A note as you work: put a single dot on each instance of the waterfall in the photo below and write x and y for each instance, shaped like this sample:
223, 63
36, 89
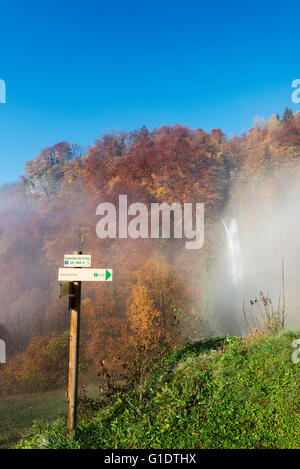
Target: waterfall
229, 284
234, 251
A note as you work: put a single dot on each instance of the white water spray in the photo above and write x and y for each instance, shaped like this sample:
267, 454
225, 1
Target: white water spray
234, 251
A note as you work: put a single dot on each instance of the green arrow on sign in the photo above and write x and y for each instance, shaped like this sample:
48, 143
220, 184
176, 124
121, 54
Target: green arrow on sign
107, 275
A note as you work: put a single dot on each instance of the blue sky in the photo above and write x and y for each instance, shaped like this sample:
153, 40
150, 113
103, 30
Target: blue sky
75, 69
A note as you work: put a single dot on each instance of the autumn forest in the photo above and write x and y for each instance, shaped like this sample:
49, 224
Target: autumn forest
162, 295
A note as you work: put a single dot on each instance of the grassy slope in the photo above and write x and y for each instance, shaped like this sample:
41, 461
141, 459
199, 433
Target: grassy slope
247, 395
17, 413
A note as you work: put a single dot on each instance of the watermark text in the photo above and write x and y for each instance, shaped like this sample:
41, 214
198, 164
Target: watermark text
188, 221
296, 353
2, 92
2, 351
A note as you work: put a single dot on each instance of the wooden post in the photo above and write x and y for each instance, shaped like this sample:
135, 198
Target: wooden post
74, 303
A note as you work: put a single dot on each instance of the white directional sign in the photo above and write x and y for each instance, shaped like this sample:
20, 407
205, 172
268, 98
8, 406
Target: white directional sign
77, 260
85, 275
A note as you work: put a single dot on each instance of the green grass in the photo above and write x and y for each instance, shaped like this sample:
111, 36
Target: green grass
17, 413
245, 395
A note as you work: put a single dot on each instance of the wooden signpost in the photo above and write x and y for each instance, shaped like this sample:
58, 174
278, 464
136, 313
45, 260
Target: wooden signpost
74, 275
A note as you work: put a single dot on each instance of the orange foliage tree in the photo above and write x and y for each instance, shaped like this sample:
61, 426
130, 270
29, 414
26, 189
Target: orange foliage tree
158, 303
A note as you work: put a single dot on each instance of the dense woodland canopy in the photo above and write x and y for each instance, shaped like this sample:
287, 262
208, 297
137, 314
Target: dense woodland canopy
160, 289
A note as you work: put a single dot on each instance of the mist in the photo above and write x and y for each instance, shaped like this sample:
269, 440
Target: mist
262, 220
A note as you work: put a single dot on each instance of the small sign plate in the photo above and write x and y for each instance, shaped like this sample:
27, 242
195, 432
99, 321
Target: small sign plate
85, 275
77, 260
66, 289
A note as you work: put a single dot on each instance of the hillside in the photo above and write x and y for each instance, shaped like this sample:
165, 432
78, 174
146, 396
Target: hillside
52, 211
215, 393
